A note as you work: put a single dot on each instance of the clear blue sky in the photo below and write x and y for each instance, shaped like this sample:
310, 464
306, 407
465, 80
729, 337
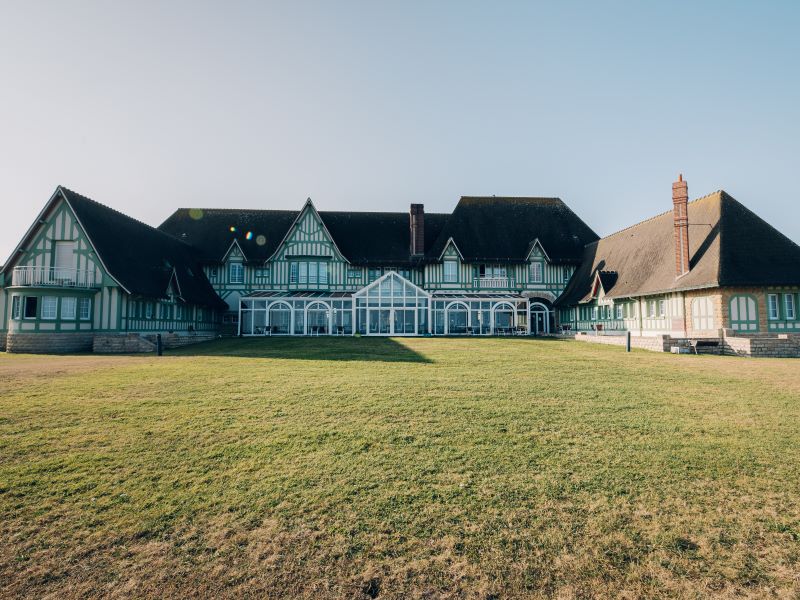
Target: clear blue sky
149, 106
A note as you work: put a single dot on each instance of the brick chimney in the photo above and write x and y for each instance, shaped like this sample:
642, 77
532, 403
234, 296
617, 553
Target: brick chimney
680, 219
417, 222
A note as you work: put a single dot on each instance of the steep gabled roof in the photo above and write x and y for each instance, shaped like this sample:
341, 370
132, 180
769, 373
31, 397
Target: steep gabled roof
503, 229
211, 231
364, 238
729, 245
140, 258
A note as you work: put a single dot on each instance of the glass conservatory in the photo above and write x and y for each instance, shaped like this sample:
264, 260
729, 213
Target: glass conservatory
311, 313
391, 305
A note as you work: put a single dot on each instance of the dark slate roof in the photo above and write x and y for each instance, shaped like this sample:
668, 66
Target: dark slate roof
364, 238
211, 231
142, 259
503, 229
729, 245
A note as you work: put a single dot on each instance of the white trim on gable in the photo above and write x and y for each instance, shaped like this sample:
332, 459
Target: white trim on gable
450, 240
235, 242
363, 290
534, 244
308, 205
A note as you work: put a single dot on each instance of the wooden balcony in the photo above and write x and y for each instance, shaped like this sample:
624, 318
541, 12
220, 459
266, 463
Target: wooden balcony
52, 277
493, 283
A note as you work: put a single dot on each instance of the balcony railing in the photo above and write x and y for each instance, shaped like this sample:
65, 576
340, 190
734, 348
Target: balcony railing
52, 277
493, 283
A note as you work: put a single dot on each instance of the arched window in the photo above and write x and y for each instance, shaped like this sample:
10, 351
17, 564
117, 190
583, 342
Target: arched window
504, 321
317, 314
457, 318
280, 318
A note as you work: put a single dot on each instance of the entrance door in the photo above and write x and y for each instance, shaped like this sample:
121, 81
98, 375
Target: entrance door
403, 321
539, 323
380, 321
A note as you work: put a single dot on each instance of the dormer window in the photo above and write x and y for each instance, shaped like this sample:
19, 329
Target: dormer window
536, 272
450, 271
236, 273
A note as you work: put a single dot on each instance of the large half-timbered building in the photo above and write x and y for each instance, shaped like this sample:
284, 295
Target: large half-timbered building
86, 276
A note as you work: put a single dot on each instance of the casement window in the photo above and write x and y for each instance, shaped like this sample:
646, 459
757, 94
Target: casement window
353, 273
16, 307
491, 271
323, 273
49, 307
69, 308
619, 311
702, 314
236, 273
565, 274
651, 308
594, 313
374, 274
303, 278
788, 305
773, 308
293, 272
662, 308
536, 272
148, 311
312, 272
450, 271
85, 309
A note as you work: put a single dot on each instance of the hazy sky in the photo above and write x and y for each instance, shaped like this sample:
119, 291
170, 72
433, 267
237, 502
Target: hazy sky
373, 105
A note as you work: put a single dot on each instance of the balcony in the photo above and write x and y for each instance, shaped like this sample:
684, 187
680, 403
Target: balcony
493, 283
52, 277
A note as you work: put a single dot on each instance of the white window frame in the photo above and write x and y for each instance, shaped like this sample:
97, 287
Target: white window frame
773, 302
323, 273
16, 307
293, 272
537, 272
313, 272
450, 271
662, 308
302, 272
353, 273
565, 274
25, 307
66, 304
238, 269
594, 313
789, 307
148, 310
49, 308
87, 314
620, 313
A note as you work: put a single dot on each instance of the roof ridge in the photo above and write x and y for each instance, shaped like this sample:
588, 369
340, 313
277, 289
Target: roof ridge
661, 214
114, 210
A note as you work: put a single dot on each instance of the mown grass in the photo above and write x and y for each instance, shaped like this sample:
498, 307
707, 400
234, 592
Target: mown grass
439, 468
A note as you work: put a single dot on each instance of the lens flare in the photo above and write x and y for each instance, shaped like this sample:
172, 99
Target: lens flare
248, 235
261, 240
233, 229
196, 213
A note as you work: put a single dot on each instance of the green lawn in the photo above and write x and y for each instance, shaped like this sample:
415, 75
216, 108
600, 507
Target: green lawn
395, 468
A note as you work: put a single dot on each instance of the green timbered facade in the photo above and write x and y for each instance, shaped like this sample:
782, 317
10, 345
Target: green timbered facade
494, 266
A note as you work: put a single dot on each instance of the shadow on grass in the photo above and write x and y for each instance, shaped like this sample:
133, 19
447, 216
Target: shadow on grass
378, 349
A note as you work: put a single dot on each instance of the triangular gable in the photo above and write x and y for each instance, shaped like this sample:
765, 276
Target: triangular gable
451, 242
363, 291
174, 286
295, 236
537, 245
233, 248
57, 195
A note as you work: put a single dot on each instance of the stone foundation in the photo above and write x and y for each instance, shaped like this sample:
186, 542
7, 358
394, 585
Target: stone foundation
176, 340
121, 343
48, 343
2, 342
755, 345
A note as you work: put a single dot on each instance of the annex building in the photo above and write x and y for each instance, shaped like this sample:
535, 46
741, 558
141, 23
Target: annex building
85, 276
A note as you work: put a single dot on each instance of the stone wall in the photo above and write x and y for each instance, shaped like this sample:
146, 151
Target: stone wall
2, 342
121, 343
655, 343
175, 340
48, 343
763, 345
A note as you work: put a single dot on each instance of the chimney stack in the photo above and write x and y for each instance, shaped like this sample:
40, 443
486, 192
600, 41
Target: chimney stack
417, 221
680, 219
